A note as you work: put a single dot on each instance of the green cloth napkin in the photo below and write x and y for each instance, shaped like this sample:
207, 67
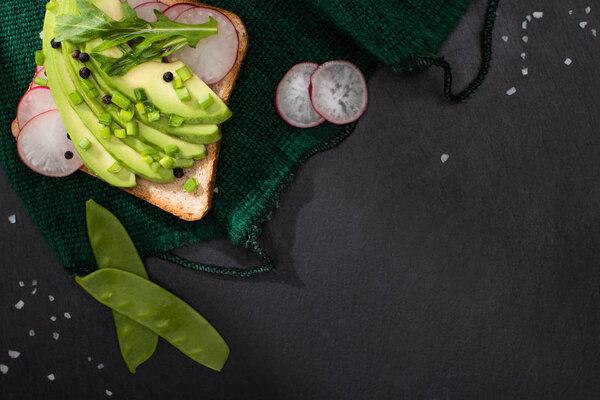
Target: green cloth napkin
259, 153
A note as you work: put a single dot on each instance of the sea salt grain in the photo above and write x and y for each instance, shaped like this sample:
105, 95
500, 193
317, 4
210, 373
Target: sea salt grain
523, 55
525, 39
21, 284
525, 71
216, 190
594, 32
570, 12
34, 282
538, 14
444, 158
53, 318
511, 91
528, 18
34, 291
67, 315
89, 359
31, 332
100, 366
524, 25
108, 392
42, 35
51, 377
50, 297
588, 9
583, 24
12, 219
14, 354
3, 369
55, 335
568, 61
19, 304
505, 38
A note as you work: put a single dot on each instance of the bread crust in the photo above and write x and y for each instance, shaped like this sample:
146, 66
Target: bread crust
171, 196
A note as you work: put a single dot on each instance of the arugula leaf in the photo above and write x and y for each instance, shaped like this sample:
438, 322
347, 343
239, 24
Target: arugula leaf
157, 38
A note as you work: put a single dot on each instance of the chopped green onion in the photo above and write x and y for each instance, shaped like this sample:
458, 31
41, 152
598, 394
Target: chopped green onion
115, 168
205, 101
85, 143
140, 95
183, 94
177, 83
120, 133
148, 159
149, 152
171, 149
40, 81
155, 166
105, 119
87, 84
126, 115
51, 5
140, 108
149, 107
39, 57
190, 185
176, 120
93, 93
132, 128
184, 73
153, 116
76, 98
105, 132
119, 99
166, 162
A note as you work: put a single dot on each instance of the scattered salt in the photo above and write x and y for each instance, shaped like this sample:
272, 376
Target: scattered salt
12, 219
570, 12
568, 61
67, 315
21, 284
51, 377
511, 91
100, 366
523, 55
588, 9
53, 318
505, 38
444, 158
594, 32
216, 190
525, 39
3, 369
108, 392
34, 291
42, 35
538, 14
524, 25
34, 282
583, 24
31, 332
528, 18
55, 335
525, 71
50, 297
14, 354
19, 304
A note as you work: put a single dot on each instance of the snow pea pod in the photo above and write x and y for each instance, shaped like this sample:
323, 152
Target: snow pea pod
160, 311
112, 247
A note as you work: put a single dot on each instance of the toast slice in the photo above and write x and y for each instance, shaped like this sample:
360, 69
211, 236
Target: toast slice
171, 196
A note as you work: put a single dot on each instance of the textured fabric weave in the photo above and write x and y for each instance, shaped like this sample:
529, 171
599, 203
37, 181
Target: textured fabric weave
259, 152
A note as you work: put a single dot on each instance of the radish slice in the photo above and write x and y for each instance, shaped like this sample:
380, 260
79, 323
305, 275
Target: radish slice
146, 11
292, 99
176, 10
135, 3
338, 91
38, 68
34, 102
215, 55
42, 74
44, 147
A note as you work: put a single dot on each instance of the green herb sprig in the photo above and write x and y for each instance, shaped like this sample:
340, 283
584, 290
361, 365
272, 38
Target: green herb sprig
139, 40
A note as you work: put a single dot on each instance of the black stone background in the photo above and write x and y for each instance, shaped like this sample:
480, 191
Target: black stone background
400, 277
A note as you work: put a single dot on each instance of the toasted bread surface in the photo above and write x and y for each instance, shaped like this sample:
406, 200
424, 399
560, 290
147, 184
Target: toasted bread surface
171, 196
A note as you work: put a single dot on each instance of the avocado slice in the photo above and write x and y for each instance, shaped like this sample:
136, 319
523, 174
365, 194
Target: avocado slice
96, 158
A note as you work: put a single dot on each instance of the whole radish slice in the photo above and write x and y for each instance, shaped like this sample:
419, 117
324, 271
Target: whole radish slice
34, 102
215, 55
44, 147
292, 99
176, 10
338, 91
145, 11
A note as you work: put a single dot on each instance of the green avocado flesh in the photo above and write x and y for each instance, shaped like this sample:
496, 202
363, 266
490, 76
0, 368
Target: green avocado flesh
118, 144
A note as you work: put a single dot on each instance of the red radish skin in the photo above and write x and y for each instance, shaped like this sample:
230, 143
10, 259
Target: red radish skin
214, 56
34, 102
176, 10
42, 144
145, 11
292, 97
339, 92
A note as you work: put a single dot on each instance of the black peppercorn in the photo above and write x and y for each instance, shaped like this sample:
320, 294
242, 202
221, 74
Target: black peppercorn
178, 172
68, 155
84, 57
168, 76
75, 54
54, 44
106, 99
85, 72
68, 136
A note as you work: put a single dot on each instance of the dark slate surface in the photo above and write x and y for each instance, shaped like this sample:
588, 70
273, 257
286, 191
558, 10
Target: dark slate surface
400, 276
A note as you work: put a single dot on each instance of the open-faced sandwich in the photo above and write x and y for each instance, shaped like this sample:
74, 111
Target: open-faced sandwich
135, 94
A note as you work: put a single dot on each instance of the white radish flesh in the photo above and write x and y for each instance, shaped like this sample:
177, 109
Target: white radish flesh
135, 3
292, 99
146, 11
214, 56
34, 102
44, 147
339, 92
176, 10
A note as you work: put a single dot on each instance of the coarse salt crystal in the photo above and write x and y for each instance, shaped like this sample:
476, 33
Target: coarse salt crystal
12, 219
525, 39
100, 366
34, 291
89, 359
51, 377
216, 190
21, 284
14, 354
568, 61
53, 318
19, 304
444, 158
511, 91
55, 335
523, 55
505, 38
34, 282
31, 332
42, 35
108, 392
583, 24
594, 32
528, 18
524, 25
3, 369
570, 12
67, 315
525, 71
50, 297
538, 14
588, 9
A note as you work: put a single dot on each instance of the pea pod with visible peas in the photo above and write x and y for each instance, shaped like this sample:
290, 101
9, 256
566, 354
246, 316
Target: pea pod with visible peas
112, 247
160, 311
